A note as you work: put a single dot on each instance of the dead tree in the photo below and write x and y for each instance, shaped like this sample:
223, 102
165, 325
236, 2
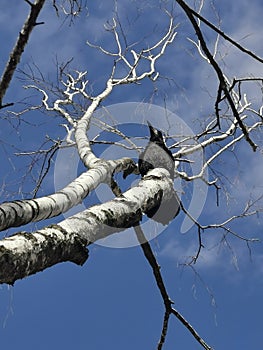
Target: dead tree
235, 118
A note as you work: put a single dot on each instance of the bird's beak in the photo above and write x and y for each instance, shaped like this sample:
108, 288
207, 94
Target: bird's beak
153, 131
149, 124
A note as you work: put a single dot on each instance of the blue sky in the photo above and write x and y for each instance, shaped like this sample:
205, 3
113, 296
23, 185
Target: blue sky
112, 301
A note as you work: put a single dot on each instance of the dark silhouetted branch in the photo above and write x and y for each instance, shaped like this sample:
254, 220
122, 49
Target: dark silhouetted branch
19, 47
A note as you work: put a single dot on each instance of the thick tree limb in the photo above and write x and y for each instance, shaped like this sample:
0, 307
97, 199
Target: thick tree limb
25, 253
21, 212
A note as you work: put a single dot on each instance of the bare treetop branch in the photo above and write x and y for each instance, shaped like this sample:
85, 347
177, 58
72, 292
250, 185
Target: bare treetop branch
223, 85
19, 47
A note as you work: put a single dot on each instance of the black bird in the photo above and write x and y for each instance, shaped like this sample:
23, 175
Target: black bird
157, 155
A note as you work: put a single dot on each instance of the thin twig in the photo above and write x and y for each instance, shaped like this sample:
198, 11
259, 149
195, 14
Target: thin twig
191, 329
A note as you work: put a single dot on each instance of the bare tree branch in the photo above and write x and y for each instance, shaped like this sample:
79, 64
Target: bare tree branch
225, 36
19, 48
89, 225
147, 250
18, 213
223, 86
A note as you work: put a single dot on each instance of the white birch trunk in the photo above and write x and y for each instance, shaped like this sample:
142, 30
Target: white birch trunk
26, 253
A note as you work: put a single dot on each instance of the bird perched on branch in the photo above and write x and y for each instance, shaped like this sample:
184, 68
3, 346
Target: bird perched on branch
157, 155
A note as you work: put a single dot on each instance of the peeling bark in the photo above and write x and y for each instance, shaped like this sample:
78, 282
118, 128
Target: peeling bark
26, 253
